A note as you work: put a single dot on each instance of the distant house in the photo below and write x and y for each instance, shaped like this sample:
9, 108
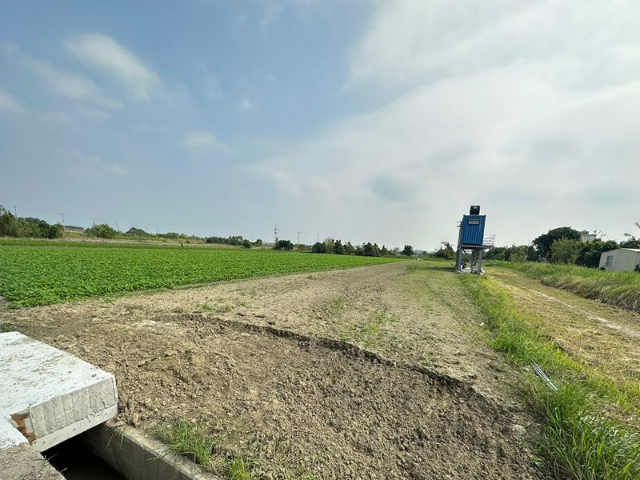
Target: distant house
620, 260
585, 236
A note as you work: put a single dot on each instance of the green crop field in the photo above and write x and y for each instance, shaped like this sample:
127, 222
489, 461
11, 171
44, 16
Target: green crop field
42, 275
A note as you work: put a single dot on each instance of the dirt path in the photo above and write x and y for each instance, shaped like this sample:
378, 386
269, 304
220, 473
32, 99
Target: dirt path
606, 337
269, 365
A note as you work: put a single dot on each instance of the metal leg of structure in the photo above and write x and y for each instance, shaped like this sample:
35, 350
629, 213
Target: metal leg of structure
480, 271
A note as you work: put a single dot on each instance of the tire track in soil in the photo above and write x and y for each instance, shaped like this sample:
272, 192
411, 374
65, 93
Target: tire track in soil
295, 403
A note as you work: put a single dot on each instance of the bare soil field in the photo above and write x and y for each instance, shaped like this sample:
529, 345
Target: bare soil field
374, 372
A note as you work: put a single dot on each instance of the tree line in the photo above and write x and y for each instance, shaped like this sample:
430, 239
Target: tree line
367, 249
12, 226
562, 245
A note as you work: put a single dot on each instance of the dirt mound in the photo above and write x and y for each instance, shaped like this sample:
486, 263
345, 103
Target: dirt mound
297, 405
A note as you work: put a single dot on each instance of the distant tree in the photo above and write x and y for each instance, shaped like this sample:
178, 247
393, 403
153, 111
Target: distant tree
565, 250
102, 230
283, 245
246, 243
55, 231
358, 251
518, 253
348, 249
590, 252
543, 243
633, 241
384, 252
514, 253
369, 250
319, 247
8, 223
329, 242
258, 242
446, 251
532, 254
338, 248
137, 232
407, 250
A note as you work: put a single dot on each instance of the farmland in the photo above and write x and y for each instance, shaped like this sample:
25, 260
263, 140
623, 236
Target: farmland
403, 368
43, 275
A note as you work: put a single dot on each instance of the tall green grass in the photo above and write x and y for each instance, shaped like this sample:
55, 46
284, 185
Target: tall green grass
191, 440
582, 438
621, 289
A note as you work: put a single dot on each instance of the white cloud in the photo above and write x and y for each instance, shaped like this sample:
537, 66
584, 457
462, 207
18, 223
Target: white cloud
97, 164
246, 104
413, 42
10, 104
203, 140
68, 84
105, 54
496, 107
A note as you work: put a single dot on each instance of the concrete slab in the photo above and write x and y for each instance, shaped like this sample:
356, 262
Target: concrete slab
48, 396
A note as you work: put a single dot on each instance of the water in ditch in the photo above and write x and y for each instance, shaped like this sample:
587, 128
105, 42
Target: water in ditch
75, 462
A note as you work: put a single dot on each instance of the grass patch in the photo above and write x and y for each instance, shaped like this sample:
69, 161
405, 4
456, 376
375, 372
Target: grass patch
590, 423
5, 327
372, 331
621, 289
192, 440
240, 469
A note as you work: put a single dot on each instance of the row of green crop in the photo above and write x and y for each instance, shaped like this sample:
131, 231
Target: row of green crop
621, 289
44, 275
582, 436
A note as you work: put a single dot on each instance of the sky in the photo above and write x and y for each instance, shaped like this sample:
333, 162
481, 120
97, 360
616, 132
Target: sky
364, 120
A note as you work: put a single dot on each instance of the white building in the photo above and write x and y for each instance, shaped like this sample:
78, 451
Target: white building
585, 236
620, 260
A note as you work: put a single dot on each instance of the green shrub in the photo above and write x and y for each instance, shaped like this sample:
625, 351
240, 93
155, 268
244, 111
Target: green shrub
102, 230
565, 251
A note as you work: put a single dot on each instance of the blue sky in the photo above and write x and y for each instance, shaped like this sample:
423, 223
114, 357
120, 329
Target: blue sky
360, 120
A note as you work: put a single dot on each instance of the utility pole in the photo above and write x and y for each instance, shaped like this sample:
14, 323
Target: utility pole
15, 211
62, 215
275, 235
298, 238
317, 237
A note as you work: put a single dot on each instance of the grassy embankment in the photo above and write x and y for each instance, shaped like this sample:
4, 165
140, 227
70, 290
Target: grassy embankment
591, 422
621, 289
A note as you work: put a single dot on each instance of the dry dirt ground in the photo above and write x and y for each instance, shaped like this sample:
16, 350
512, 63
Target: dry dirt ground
374, 372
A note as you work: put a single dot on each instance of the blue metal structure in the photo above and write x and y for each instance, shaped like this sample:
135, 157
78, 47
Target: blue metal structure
471, 237
472, 230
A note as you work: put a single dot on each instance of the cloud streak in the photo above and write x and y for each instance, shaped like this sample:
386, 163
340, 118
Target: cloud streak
104, 54
10, 104
203, 140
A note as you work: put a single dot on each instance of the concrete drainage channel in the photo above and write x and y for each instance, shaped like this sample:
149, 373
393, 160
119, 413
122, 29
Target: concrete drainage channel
132, 455
53, 404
